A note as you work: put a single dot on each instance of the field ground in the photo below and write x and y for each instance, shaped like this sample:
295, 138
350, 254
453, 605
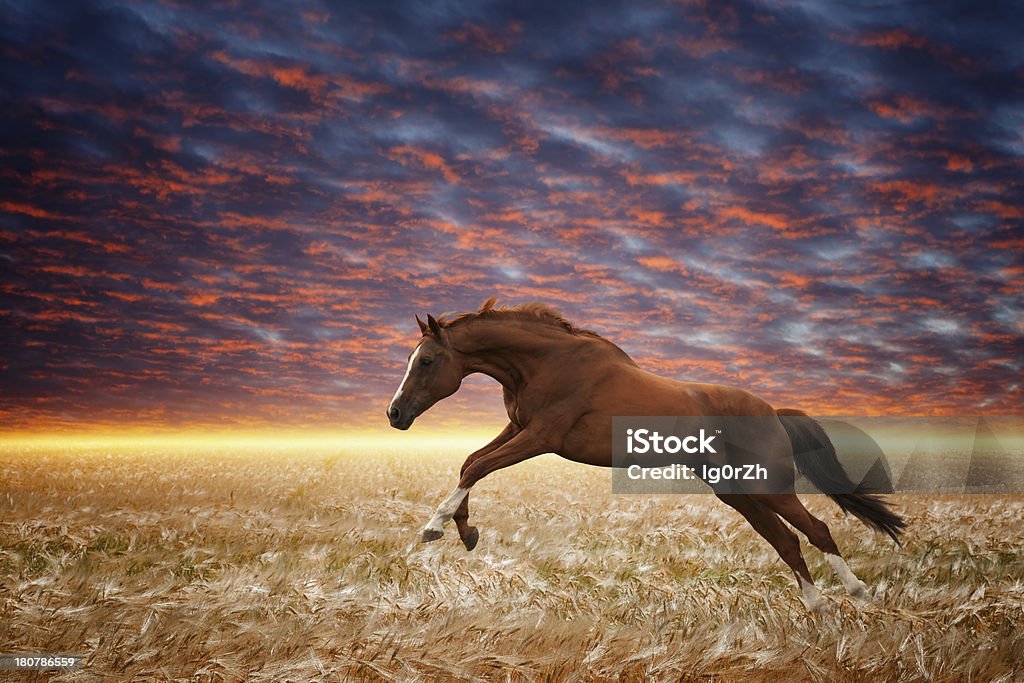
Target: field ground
305, 566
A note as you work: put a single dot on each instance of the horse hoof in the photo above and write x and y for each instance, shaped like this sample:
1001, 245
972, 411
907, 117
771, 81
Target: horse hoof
471, 538
429, 535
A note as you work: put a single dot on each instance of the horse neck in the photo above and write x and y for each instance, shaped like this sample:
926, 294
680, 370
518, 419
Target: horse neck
510, 351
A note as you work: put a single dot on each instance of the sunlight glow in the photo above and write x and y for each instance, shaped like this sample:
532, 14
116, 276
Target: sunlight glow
277, 440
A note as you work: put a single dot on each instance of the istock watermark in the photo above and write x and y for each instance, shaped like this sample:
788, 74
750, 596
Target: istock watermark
643, 441
646, 440
774, 454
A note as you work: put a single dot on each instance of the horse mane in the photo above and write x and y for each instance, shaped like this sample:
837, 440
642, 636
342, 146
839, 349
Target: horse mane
535, 311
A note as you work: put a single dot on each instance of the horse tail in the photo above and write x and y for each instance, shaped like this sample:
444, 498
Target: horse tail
815, 458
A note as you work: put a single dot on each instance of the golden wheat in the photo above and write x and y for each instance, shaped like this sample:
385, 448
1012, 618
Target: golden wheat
292, 565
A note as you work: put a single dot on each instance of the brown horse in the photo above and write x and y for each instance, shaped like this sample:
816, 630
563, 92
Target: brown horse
562, 386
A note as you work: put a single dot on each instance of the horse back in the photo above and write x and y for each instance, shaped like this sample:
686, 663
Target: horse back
631, 391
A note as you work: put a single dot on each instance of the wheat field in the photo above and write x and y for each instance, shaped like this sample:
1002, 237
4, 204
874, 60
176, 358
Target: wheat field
303, 565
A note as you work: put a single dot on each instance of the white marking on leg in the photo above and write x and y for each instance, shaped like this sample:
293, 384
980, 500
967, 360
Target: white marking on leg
853, 585
408, 369
446, 510
811, 596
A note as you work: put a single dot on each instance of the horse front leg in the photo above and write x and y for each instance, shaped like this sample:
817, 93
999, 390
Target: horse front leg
445, 511
470, 534
518, 447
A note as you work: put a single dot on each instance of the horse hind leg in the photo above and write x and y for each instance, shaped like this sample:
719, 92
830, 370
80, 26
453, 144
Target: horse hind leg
790, 508
785, 542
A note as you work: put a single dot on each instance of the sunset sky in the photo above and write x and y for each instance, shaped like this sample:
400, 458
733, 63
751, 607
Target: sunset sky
223, 218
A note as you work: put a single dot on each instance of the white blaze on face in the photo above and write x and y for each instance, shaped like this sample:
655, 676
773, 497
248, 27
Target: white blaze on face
413, 359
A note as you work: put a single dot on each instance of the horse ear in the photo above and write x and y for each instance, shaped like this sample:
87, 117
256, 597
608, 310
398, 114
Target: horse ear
435, 328
423, 325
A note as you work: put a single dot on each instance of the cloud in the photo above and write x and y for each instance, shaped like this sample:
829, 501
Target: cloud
223, 216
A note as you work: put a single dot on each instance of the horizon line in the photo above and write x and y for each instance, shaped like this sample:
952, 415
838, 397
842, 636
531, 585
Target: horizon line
268, 438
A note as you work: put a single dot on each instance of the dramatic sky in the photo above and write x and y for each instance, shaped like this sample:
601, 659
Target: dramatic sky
228, 215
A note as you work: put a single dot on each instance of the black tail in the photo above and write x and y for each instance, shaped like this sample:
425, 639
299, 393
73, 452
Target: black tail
815, 458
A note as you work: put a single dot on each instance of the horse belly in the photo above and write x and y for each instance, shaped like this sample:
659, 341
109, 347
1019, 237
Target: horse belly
632, 392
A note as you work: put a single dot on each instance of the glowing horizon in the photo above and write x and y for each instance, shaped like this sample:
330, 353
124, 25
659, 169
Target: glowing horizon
268, 439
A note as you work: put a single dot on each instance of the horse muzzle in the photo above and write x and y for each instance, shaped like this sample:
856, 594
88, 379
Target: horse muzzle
400, 419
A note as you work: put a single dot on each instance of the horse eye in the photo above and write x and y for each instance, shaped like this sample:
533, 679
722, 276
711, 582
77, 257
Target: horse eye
426, 361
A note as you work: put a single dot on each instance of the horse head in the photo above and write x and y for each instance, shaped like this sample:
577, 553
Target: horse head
433, 373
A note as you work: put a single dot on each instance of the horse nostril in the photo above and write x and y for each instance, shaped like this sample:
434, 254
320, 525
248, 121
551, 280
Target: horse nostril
393, 413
